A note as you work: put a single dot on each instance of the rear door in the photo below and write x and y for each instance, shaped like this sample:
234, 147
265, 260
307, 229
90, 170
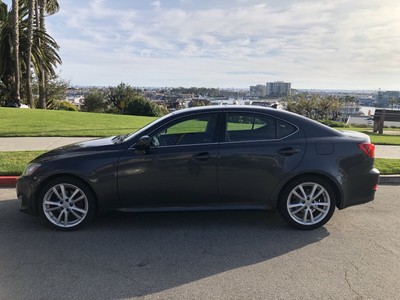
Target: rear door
255, 154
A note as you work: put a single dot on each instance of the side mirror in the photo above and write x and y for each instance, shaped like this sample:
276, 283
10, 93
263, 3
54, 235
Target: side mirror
143, 143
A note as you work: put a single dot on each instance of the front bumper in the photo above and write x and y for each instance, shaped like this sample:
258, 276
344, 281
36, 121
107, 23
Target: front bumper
25, 192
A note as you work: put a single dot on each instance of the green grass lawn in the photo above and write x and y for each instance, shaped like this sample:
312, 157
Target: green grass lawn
379, 139
384, 139
35, 122
29, 122
14, 163
388, 166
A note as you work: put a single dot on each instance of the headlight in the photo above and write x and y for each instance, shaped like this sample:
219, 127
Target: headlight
30, 169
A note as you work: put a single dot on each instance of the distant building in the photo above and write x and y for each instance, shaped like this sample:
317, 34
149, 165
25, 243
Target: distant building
384, 97
77, 101
278, 89
258, 90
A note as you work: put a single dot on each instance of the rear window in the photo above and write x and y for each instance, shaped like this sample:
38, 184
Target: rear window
284, 129
253, 127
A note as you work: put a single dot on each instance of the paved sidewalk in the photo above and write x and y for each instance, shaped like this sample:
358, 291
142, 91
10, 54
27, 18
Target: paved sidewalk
48, 143
37, 143
383, 151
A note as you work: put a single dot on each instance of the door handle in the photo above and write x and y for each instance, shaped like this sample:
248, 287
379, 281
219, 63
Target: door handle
288, 151
203, 156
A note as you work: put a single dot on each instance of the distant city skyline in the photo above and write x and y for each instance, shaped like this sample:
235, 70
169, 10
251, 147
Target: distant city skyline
337, 44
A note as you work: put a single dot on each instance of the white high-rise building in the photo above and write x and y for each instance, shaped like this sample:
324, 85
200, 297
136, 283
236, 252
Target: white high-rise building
278, 89
258, 90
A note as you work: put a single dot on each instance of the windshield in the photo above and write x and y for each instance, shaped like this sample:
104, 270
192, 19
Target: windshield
139, 132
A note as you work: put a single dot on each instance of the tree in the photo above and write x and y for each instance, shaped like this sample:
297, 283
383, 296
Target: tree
64, 105
348, 103
43, 7
139, 106
56, 90
393, 101
315, 107
118, 97
95, 101
199, 102
125, 99
15, 50
31, 16
302, 104
42, 56
6, 56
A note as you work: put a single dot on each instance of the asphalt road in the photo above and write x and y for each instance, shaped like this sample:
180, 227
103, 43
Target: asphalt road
204, 255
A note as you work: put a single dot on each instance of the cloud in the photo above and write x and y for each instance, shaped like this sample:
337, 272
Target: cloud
305, 41
156, 4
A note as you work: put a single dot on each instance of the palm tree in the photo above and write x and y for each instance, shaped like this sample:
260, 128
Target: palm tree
15, 44
41, 57
7, 55
4, 40
50, 7
31, 16
392, 101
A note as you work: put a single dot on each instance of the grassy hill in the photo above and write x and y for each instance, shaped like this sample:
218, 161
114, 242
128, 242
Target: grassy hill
29, 122
35, 122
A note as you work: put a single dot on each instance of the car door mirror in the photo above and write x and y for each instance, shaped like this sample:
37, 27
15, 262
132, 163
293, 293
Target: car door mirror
143, 143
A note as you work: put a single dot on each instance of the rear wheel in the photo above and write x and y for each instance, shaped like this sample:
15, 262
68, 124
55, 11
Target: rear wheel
307, 203
66, 203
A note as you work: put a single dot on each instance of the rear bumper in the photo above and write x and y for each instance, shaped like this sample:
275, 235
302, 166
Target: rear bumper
360, 189
25, 194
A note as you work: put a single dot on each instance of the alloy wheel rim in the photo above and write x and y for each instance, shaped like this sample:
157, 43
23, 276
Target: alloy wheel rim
308, 203
65, 205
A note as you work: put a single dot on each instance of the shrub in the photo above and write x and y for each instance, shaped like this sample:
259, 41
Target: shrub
64, 105
334, 124
95, 101
360, 125
139, 106
163, 110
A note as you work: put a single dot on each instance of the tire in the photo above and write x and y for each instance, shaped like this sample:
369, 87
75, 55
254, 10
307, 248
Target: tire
307, 203
66, 203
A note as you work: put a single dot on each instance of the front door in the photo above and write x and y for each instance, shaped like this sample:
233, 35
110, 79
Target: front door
179, 170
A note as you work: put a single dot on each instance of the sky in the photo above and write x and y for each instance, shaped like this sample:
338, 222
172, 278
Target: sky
314, 44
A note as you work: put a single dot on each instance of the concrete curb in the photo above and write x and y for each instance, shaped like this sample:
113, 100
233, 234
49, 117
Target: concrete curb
10, 181
389, 179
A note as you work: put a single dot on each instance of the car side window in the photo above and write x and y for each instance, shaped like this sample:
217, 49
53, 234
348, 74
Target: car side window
253, 127
284, 129
194, 130
249, 127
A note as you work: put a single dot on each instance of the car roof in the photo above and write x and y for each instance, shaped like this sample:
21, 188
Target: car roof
312, 127
224, 108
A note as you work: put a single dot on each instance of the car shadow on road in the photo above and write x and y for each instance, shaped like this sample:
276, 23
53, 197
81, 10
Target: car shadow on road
123, 255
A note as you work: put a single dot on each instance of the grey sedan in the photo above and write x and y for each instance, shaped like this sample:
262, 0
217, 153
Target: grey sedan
211, 158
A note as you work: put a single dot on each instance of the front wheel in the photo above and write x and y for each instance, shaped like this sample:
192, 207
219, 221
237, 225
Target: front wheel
66, 203
307, 203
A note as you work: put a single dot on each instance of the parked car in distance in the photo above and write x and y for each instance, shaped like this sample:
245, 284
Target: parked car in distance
215, 157
16, 105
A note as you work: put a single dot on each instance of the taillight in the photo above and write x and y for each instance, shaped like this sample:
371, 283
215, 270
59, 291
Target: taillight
368, 149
